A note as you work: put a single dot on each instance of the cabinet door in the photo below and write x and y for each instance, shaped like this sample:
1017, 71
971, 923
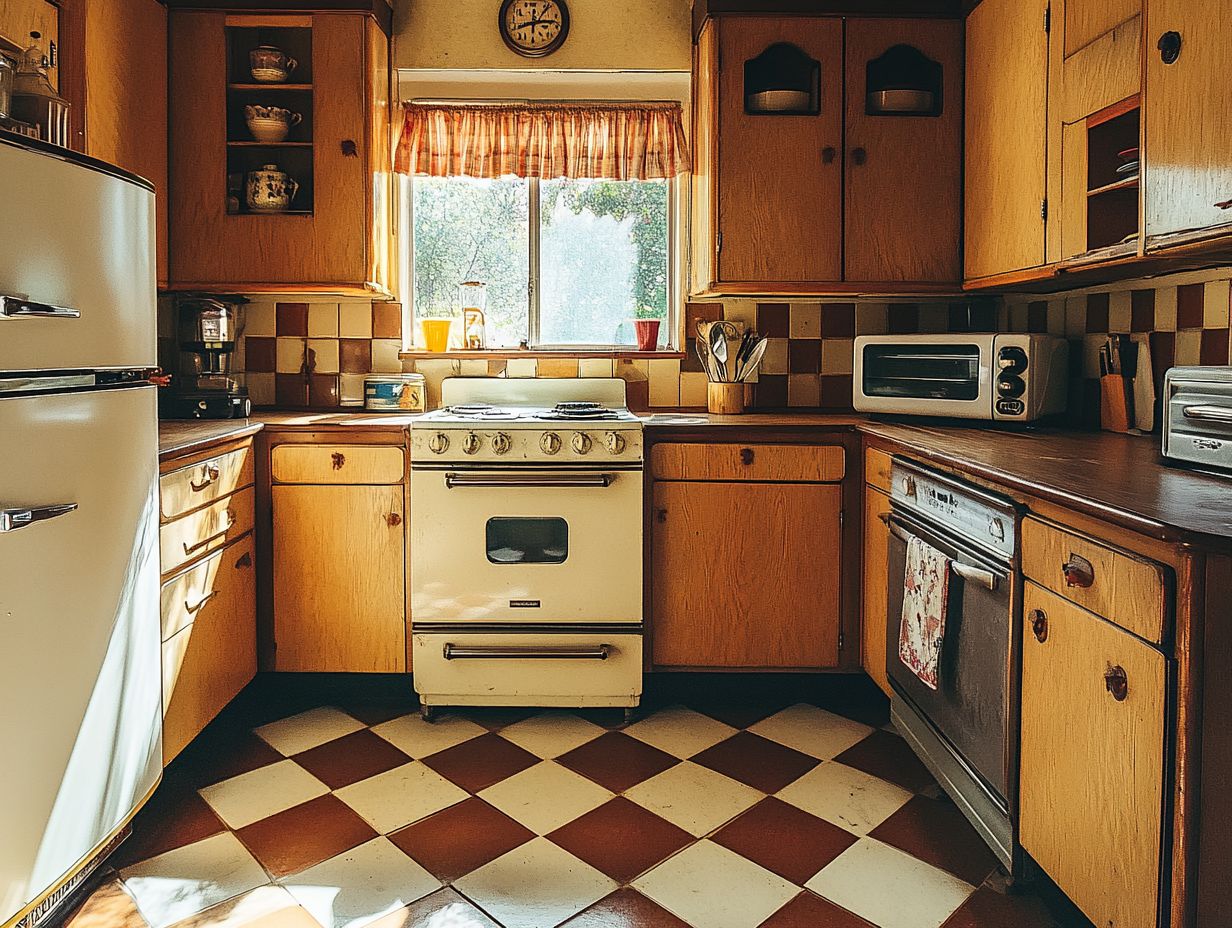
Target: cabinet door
875, 578
1091, 788
904, 173
780, 199
339, 579
1006, 132
1087, 20
746, 574
1187, 167
207, 662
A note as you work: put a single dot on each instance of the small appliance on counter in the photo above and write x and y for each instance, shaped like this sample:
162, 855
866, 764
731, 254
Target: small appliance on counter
1197, 415
203, 385
394, 392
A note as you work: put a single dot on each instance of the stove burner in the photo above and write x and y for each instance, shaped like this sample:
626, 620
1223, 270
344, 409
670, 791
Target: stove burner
577, 406
579, 412
480, 411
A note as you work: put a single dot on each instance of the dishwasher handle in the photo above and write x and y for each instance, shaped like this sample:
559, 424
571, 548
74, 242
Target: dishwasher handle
984, 577
453, 652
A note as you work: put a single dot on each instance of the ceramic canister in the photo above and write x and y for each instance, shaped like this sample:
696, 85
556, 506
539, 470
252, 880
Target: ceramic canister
403, 392
270, 189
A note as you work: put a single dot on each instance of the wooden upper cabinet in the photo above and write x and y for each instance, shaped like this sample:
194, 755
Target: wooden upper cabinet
904, 172
1087, 20
1187, 175
336, 237
779, 176
1006, 137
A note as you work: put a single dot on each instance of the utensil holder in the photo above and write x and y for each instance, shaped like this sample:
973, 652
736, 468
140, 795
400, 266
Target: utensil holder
725, 399
1114, 408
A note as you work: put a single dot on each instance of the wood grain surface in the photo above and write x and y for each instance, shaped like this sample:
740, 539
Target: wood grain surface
756, 462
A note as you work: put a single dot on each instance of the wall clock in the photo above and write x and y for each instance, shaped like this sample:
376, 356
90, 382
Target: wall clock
534, 28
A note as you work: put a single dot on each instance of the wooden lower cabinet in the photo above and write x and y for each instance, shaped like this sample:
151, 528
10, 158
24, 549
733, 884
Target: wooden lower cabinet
209, 660
746, 574
339, 569
1092, 768
875, 579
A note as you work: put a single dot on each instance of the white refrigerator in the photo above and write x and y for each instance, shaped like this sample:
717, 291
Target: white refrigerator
80, 687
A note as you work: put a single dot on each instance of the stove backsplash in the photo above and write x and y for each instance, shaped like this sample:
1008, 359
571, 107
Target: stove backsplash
316, 355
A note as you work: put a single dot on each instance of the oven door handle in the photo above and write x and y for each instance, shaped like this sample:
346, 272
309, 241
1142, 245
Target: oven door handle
453, 652
985, 578
457, 481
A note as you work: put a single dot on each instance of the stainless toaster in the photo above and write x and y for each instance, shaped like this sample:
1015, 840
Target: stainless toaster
1197, 416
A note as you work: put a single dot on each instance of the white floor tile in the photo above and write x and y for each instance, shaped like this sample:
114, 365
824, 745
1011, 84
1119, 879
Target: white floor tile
680, 731
308, 729
397, 797
263, 792
537, 885
846, 797
190, 879
361, 885
694, 797
709, 885
414, 736
811, 730
545, 796
552, 733
890, 888
264, 907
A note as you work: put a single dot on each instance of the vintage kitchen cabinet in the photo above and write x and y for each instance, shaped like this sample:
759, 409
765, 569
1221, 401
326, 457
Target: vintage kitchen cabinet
875, 573
336, 235
208, 598
746, 554
338, 558
768, 187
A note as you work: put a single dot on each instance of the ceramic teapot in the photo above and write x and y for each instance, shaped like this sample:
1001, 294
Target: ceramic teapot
270, 189
270, 65
270, 123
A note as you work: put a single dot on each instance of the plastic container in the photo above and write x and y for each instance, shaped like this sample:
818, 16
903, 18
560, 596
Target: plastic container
394, 392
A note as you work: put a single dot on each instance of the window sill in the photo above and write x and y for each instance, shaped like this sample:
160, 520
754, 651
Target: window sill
508, 354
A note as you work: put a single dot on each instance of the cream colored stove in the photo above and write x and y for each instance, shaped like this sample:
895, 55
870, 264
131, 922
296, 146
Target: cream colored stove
526, 545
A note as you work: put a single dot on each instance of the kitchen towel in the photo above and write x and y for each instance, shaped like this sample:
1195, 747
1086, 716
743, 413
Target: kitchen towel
926, 587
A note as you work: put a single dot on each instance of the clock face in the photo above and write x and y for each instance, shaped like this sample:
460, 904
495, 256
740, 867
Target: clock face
534, 27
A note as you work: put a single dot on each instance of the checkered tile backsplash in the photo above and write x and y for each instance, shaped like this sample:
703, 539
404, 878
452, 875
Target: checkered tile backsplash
317, 354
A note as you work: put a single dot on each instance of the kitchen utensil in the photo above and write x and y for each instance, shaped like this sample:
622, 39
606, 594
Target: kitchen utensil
1144, 385
270, 123
746, 370
270, 190
747, 341
718, 349
270, 65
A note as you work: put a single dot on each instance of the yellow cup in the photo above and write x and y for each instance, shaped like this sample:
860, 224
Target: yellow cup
435, 333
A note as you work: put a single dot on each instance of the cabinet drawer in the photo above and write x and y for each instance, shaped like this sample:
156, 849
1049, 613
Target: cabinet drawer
366, 464
877, 469
192, 487
204, 587
198, 533
1123, 588
766, 463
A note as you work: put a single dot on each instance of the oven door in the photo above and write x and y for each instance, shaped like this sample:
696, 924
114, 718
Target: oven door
526, 546
937, 377
970, 709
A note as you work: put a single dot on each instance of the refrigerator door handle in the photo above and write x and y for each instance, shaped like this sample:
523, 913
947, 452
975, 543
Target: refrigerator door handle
13, 519
16, 307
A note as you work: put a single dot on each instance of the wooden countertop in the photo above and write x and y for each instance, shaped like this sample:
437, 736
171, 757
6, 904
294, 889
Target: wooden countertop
178, 437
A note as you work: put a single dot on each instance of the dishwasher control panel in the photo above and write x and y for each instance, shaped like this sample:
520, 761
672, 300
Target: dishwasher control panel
983, 518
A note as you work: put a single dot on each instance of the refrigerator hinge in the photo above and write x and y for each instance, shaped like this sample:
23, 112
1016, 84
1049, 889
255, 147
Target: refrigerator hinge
1044, 209
1048, 18
718, 242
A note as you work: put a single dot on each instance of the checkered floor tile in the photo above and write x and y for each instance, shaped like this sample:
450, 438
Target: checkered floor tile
344, 818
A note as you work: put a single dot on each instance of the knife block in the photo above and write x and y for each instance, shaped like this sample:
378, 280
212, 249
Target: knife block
1114, 404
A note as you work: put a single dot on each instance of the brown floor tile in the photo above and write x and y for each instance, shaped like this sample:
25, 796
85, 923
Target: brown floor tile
462, 838
445, 908
377, 710
987, 908
937, 833
785, 840
617, 761
305, 835
219, 754
742, 715
351, 758
625, 908
109, 906
886, 755
481, 762
621, 838
175, 816
496, 717
756, 761
809, 911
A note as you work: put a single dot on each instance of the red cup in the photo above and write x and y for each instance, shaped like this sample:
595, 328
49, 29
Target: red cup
647, 333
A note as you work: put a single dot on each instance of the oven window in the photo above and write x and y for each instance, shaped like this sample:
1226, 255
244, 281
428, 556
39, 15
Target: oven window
518, 540
942, 372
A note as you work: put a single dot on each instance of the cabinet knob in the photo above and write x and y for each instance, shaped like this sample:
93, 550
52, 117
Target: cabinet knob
1078, 571
1116, 682
338, 459
828, 154
1224, 204
1039, 624
746, 456
661, 515
859, 157
393, 519
349, 148
1169, 46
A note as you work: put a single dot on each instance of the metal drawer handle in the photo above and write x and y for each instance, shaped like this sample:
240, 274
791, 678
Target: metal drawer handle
1039, 625
454, 481
1116, 682
189, 549
1208, 413
985, 578
13, 519
1078, 571
194, 609
15, 307
480, 652
210, 474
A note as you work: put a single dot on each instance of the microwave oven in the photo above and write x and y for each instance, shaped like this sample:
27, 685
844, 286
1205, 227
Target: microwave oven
1012, 378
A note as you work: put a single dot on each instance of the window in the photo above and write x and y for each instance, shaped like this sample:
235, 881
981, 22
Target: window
567, 262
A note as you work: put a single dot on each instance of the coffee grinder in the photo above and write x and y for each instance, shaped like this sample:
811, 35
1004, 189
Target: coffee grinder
203, 385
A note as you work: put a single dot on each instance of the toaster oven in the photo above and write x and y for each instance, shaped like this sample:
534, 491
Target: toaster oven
1198, 416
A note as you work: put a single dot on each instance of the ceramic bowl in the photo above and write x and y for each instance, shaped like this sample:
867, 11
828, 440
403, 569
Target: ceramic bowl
269, 130
270, 75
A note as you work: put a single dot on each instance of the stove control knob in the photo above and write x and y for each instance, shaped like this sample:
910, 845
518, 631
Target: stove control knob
550, 442
581, 442
615, 442
471, 443
501, 443
438, 443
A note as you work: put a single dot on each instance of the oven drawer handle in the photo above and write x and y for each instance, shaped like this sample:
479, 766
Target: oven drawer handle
1207, 413
455, 481
985, 578
453, 652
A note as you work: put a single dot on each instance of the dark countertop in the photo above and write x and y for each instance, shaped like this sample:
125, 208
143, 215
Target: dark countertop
178, 437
